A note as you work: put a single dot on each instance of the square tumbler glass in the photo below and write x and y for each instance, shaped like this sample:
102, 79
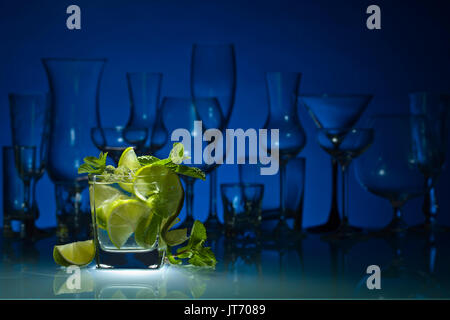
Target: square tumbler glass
242, 209
119, 219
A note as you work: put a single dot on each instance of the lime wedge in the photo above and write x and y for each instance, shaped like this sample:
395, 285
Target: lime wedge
160, 188
76, 253
122, 219
128, 160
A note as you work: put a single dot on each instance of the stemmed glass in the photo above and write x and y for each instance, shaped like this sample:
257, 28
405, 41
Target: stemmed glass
213, 75
344, 145
182, 120
30, 116
116, 140
430, 133
144, 90
389, 168
282, 88
334, 111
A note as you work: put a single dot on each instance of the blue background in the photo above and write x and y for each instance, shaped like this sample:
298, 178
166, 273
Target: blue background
326, 40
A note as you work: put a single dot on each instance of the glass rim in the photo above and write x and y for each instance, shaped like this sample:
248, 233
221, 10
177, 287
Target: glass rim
92, 177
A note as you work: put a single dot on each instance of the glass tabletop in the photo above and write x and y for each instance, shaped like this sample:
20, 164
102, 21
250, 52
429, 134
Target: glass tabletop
411, 267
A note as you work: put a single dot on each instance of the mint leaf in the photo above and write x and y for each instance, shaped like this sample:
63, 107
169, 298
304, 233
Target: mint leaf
146, 160
176, 237
93, 165
192, 172
198, 233
147, 231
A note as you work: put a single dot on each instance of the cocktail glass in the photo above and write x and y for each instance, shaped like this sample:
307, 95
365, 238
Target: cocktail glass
334, 111
344, 146
120, 221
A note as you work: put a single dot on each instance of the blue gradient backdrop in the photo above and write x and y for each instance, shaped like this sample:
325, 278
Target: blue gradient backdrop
326, 40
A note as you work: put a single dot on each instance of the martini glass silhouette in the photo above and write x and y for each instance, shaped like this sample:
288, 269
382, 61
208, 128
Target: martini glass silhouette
345, 146
334, 111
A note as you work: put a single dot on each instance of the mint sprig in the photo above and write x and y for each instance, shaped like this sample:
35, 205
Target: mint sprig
174, 162
93, 165
194, 252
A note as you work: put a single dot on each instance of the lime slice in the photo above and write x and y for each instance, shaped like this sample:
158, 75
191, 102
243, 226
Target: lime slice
122, 219
160, 188
128, 160
76, 253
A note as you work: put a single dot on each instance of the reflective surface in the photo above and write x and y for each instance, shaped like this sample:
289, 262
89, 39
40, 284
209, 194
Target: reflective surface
309, 268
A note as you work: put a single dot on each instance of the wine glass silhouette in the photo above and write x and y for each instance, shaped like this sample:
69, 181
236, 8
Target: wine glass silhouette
213, 75
283, 89
181, 113
390, 169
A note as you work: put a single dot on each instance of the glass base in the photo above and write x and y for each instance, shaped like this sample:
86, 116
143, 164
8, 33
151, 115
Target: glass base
331, 225
396, 227
344, 232
152, 259
213, 227
428, 227
24, 230
71, 227
282, 232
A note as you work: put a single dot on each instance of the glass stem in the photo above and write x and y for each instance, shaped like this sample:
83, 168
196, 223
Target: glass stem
333, 216
344, 173
430, 205
26, 222
189, 199
398, 214
282, 192
33, 199
27, 196
213, 195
